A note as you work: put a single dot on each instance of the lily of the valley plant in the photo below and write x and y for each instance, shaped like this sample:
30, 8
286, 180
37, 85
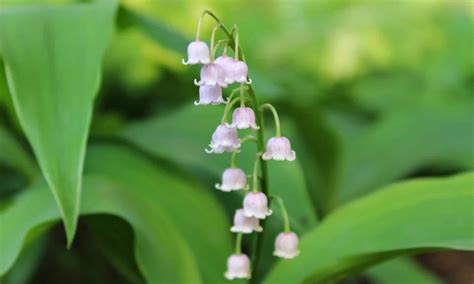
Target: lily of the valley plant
217, 74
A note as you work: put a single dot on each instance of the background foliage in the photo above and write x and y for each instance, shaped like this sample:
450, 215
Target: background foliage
376, 96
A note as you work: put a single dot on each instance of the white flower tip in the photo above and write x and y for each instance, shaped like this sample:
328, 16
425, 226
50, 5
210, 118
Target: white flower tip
219, 102
248, 82
209, 151
184, 62
286, 255
266, 156
229, 125
231, 276
292, 156
197, 83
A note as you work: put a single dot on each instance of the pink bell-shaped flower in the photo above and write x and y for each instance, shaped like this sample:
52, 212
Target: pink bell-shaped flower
226, 63
286, 245
244, 224
224, 139
211, 74
243, 118
279, 148
210, 95
198, 52
233, 179
256, 205
238, 267
238, 71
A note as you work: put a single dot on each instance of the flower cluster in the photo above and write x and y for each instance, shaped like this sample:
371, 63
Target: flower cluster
216, 74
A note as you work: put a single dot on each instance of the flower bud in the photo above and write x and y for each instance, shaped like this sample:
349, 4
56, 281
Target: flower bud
243, 118
233, 179
224, 139
279, 148
226, 63
286, 245
256, 205
210, 95
244, 224
238, 72
198, 52
211, 74
238, 266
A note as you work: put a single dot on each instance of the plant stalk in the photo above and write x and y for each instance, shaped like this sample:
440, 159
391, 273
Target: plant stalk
258, 238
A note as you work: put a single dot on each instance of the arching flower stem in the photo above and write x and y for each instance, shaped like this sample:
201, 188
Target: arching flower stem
284, 212
219, 43
213, 39
242, 98
238, 243
228, 107
275, 116
231, 101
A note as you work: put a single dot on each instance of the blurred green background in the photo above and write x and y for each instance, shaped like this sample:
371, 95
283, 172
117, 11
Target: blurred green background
369, 92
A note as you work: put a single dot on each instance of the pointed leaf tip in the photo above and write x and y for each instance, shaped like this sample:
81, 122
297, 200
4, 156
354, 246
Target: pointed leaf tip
52, 56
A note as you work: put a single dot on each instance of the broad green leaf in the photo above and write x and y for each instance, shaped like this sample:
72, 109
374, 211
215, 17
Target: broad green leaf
27, 263
148, 198
185, 202
439, 136
6, 102
12, 155
52, 56
160, 251
140, 196
401, 270
403, 218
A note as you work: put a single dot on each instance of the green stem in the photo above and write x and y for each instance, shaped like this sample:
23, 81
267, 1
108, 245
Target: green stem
232, 94
217, 46
227, 108
275, 116
225, 48
233, 164
255, 174
286, 219
213, 39
258, 238
242, 98
199, 25
238, 243
236, 54
231, 101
